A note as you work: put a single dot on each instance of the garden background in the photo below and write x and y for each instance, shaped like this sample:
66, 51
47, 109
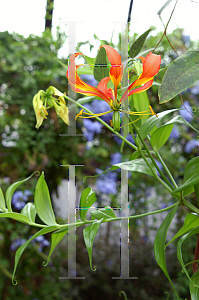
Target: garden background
29, 64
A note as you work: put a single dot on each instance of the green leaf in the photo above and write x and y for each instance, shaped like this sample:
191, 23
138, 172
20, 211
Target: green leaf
55, 240
90, 61
21, 249
160, 136
10, 191
136, 154
191, 221
163, 7
43, 203
180, 120
153, 121
16, 216
103, 213
2, 201
87, 199
181, 74
159, 244
196, 189
89, 234
138, 165
179, 251
194, 291
137, 45
29, 211
139, 102
191, 177
101, 69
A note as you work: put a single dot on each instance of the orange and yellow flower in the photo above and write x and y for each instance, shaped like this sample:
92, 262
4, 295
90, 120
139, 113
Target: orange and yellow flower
151, 66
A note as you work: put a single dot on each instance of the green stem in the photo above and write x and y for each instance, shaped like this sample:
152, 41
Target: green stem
142, 215
168, 185
166, 169
101, 121
190, 206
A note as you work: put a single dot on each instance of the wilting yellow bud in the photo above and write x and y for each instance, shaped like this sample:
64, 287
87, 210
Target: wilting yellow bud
62, 111
39, 109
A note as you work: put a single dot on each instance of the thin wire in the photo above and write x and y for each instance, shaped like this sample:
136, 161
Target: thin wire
129, 14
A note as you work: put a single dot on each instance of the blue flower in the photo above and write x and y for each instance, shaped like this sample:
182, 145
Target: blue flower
185, 113
42, 242
116, 158
17, 243
99, 106
160, 166
19, 199
195, 88
106, 186
92, 128
190, 145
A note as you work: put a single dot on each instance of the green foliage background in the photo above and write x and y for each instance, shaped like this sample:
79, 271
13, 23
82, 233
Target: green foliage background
26, 66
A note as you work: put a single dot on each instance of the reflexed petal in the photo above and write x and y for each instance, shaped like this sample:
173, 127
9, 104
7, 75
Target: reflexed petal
151, 65
116, 70
102, 86
80, 86
143, 88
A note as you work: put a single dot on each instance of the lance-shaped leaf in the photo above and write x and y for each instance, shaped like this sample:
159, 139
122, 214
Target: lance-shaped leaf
89, 234
191, 177
159, 244
10, 191
137, 45
180, 120
55, 240
43, 203
160, 136
179, 252
16, 216
191, 221
103, 213
29, 211
101, 69
2, 201
180, 75
21, 249
152, 122
87, 199
138, 165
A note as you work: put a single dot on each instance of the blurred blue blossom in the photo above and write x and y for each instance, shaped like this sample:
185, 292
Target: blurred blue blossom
175, 134
186, 38
17, 243
160, 166
92, 128
100, 106
184, 113
195, 88
107, 183
106, 186
190, 145
119, 140
116, 158
19, 199
42, 242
